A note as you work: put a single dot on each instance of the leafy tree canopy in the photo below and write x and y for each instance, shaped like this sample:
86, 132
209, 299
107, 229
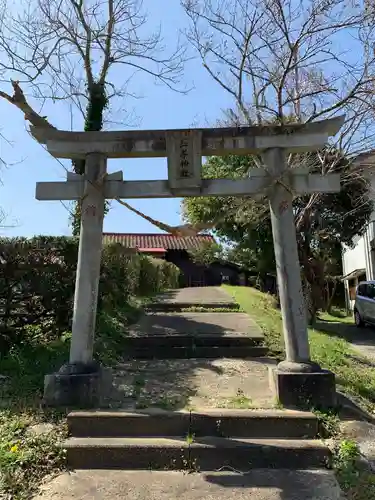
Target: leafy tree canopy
323, 220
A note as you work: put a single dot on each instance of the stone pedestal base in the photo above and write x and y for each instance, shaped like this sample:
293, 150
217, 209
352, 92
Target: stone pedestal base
78, 387
305, 390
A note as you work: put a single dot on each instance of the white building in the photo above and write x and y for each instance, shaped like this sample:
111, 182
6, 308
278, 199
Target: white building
359, 262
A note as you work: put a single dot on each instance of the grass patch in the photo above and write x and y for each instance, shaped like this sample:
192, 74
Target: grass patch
330, 347
329, 343
110, 340
235, 308
354, 477
338, 312
239, 401
168, 403
329, 424
262, 309
26, 457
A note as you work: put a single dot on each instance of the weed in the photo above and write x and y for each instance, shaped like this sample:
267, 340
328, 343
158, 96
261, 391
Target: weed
189, 464
278, 404
139, 383
355, 479
165, 402
233, 308
329, 423
219, 431
262, 308
189, 407
239, 401
26, 458
168, 403
190, 438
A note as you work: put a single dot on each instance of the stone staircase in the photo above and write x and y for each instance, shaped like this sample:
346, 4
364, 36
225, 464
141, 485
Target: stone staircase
172, 329
205, 438
184, 335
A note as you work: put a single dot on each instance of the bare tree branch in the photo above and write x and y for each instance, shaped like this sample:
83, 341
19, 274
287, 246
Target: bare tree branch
62, 48
19, 100
292, 56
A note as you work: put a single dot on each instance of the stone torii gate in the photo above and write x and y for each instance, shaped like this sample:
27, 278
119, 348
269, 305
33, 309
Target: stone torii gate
297, 378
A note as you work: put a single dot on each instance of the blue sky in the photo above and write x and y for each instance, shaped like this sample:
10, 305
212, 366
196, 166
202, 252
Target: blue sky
160, 108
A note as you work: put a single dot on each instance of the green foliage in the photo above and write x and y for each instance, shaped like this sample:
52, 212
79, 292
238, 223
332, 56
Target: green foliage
347, 453
37, 279
26, 458
246, 258
338, 217
156, 275
97, 103
324, 222
206, 253
329, 423
36, 286
239, 220
350, 475
239, 401
120, 276
233, 307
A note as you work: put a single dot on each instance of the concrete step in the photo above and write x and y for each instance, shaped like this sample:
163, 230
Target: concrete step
205, 453
255, 484
193, 340
190, 323
154, 422
209, 352
199, 296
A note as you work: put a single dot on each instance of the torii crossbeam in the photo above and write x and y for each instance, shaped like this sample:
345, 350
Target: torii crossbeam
184, 150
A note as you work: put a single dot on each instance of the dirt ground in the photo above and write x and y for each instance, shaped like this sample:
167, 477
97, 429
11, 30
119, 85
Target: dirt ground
194, 383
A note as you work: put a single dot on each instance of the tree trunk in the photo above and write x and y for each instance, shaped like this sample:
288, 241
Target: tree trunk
330, 299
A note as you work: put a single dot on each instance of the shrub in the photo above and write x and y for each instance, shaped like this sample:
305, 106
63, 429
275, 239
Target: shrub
37, 279
156, 275
36, 283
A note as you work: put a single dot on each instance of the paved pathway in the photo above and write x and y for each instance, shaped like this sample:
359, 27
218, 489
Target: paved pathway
192, 323
197, 383
259, 484
197, 296
194, 383
361, 339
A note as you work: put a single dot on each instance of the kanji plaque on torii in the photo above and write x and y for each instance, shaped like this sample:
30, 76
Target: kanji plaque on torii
184, 154
184, 149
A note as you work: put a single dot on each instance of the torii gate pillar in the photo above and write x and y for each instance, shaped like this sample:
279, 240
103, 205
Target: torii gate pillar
299, 382
80, 381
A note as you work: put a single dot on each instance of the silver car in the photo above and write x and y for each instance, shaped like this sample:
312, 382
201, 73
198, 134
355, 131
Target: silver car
364, 306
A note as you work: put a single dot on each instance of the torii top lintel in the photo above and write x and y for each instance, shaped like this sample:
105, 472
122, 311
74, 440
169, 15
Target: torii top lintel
212, 141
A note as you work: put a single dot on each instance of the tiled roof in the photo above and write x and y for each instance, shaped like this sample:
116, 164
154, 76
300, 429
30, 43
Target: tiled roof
155, 240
